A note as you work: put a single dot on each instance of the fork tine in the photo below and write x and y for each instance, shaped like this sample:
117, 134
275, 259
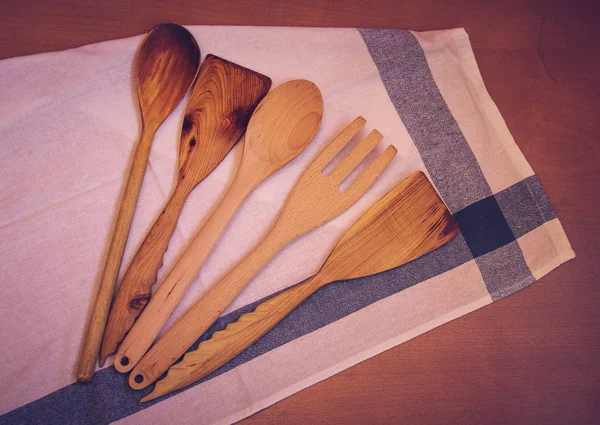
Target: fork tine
355, 157
374, 169
337, 144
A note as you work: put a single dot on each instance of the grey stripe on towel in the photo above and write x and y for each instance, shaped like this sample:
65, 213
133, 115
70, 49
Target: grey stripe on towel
445, 152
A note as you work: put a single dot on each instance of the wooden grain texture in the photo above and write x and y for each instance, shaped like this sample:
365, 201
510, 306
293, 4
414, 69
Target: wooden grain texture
313, 201
407, 223
282, 126
531, 358
219, 107
171, 50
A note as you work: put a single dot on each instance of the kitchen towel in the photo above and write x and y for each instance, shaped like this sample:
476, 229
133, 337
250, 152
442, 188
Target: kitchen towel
68, 126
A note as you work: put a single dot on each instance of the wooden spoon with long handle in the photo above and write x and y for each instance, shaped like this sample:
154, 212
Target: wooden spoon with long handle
410, 221
314, 200
165, 67
283, 124
222, 100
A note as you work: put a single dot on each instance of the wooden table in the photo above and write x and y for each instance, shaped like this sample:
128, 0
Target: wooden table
531, 358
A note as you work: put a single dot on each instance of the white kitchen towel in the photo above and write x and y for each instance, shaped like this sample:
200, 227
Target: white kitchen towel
68, 126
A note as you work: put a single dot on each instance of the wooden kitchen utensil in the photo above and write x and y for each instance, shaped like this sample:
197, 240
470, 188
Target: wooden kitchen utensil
165, 67
220, 104
410, 221
314, 200
282, 126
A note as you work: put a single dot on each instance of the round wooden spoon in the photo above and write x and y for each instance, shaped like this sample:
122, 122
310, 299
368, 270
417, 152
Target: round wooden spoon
282, 126
165, 67
219, 107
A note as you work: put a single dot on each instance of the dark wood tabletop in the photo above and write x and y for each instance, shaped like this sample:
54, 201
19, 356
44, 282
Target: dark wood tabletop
531, 358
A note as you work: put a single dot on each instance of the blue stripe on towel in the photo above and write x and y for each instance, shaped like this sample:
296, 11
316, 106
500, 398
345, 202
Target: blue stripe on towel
108, 397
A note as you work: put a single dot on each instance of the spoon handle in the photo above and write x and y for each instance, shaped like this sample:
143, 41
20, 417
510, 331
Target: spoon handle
224, 345
173, 288
182, 335
91, 347
135, 287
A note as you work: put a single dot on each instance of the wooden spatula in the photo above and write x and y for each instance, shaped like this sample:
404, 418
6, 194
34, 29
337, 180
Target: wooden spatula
314, 200
282, 126
222, 100
165, 67
410, 221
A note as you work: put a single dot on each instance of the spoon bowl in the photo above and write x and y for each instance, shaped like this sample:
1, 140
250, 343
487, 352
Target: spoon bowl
282, 126
165, 67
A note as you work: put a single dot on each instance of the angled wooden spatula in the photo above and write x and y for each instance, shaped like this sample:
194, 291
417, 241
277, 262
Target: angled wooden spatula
410, 221
222, 100
314, 200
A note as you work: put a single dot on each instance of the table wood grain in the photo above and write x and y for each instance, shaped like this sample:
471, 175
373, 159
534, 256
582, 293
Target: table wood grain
530, 358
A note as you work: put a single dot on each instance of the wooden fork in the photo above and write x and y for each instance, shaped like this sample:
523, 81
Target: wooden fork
315, 200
